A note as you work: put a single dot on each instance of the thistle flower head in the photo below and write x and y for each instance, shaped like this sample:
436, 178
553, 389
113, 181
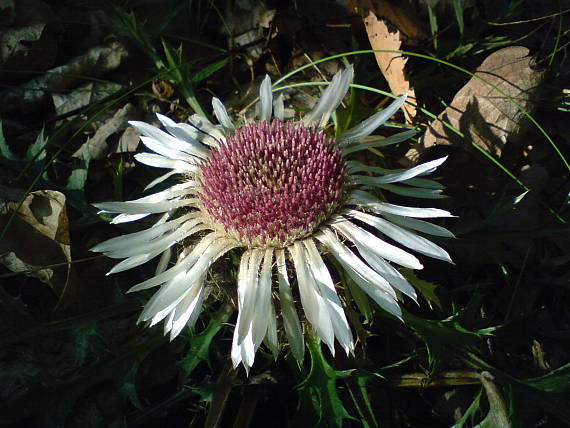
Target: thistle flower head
284, 193
272, 183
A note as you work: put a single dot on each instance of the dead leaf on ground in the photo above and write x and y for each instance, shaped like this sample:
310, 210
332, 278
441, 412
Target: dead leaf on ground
247, 23
129, 141
28, 39
391, 64
37, 236
97, 61
402, 15
98, 146
482, 113
83, 96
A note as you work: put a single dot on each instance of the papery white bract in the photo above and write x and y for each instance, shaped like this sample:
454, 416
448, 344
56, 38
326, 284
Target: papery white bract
285, 193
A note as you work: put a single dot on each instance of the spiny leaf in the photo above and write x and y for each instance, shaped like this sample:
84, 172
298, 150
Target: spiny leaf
88, 341
438, 335
36, 152
4, 149
322, 384
200, 343
127, 384
425, 287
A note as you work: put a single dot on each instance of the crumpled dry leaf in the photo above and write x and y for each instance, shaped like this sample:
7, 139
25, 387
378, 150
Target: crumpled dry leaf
97, 61
483, 114
98, 147
28, 39
391, 64
38, 236
14, 41
129, 141
403, 15
246, 23
83, 96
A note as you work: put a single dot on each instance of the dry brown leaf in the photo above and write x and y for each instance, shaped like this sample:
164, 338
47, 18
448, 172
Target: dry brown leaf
402, 15
97, 145
129, 141
84, 95
37, 236
483, 114
392, 64
97, 61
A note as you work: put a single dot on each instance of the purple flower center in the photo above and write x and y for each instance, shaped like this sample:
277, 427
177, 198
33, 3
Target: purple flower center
272, 183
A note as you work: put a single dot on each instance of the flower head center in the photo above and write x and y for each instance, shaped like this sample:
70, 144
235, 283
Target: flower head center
272, 183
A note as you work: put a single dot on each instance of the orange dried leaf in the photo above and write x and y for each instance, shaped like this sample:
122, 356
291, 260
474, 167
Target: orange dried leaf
391, 64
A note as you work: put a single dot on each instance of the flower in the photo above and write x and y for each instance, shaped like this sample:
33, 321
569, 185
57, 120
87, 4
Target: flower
286, 193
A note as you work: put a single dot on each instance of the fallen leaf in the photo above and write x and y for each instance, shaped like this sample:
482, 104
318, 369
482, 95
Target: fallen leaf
97, 145
391, 64
37, 236
402, 15
129, 141
487, 116
82, 96
15, 41
247, 23
498, 415
97, 61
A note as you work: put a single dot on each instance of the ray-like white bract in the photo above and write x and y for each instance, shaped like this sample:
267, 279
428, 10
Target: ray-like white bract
287, 197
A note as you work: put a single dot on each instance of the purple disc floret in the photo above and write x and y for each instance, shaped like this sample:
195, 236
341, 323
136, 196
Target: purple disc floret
272, 182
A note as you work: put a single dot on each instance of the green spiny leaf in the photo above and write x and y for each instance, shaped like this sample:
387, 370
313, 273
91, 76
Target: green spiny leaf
322, 384
439, 335
425, 287
200, 343
4, 149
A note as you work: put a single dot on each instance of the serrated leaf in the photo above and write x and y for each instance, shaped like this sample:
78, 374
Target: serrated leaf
322, 386
4, 149
127, 384
425, 287
36, 152
438, 335
200, 343
87, 341
56, 400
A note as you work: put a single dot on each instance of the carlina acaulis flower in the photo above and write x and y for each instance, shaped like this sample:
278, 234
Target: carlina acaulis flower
284, 193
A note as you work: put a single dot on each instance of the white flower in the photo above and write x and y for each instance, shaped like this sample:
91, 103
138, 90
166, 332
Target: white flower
285, 192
